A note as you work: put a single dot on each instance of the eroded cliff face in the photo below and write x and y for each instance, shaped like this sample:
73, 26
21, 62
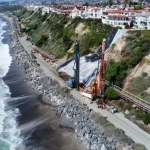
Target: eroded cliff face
142, 67
117, 51
114, 51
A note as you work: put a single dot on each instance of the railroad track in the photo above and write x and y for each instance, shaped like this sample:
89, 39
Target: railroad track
131, 98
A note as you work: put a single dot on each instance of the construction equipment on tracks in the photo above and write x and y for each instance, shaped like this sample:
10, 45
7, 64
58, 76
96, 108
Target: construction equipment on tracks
98, 84
74, 83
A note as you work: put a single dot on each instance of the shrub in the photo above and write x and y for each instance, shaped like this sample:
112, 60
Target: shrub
113, 46
121, 104
127, 140
23, 30
64, 91
127, 107
138, 84
111, 94
33, 26
145, 96
42, 40
147, 118
119, 132
144, 74
137, 146
116, 72
139, 114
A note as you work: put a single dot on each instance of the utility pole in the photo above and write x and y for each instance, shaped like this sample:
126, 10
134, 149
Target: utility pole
77, 60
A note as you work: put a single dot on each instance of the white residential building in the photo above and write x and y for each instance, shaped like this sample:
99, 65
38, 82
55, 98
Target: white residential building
142, 22
119, 17
88, 12
76, 13
93, 12
45, 9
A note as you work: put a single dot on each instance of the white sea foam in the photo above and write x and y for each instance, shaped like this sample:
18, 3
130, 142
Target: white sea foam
9, 133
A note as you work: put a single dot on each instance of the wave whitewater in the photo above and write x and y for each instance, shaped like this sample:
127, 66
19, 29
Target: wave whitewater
9, 134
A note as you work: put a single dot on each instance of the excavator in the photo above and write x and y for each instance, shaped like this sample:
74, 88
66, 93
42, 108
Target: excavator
97, 89
74, 83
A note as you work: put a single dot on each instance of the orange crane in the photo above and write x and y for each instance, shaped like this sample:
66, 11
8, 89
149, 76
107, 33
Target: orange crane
98, 85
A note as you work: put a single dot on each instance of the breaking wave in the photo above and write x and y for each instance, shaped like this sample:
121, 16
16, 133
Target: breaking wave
9, 133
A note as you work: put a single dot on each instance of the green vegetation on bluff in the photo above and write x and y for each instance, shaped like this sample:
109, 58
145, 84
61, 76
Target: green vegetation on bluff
59, 32
111, 94
137, 46
133, 113
139, 84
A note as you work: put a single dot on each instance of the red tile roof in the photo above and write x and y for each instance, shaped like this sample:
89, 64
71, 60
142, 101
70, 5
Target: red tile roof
121, 11
119, 15
65, 11
94, 8
69, 5
77, 10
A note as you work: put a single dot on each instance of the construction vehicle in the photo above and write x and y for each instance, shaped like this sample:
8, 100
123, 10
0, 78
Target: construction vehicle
74, 83
97, 89
85, 83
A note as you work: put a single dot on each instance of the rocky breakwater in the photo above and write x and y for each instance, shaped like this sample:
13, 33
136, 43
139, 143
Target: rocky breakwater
70, 109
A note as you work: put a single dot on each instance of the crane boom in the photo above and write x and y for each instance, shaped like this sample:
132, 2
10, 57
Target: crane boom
74, 83
97, 88
102, 71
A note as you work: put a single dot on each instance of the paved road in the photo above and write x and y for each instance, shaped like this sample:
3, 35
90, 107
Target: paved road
118, 119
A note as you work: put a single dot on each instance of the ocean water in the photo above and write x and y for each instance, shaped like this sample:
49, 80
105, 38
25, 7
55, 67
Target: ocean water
9, 133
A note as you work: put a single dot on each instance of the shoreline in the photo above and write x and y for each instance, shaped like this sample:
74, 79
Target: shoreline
66, 132
62, 109
87, 131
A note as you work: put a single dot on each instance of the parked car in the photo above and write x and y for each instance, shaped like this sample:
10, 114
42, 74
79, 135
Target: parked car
92, 58
113, 109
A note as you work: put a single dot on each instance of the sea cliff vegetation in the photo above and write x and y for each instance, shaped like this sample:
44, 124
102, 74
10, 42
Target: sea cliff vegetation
57, 33
137, 46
